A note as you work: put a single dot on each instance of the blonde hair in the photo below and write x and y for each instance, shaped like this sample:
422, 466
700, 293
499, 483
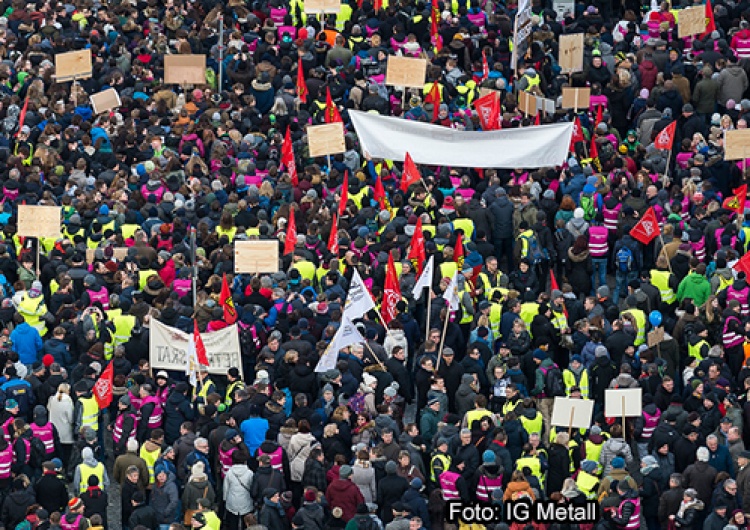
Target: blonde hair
63, 388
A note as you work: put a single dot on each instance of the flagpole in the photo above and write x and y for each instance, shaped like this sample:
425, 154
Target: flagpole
442, 338
367, 345
669, 263
429, 305
666, 170
194, 275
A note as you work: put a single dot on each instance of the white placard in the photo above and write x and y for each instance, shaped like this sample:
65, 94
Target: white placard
575, 413
623, 402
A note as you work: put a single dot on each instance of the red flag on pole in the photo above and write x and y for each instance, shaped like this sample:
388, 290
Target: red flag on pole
488, 109
647, 228
200, 348
417, 247
554, 287
291, 234
287, 157
379, 193
665, 139
434, 97
736, 202
434, 33
344, 194
391, 292
103, 385
458, 251
485, 67
411, 173
593, 150
743, 264
377, 5
22, 117
301, 83
577, 135
710, 23
332, 114
333, 239
599, 115
226, 302
538, 119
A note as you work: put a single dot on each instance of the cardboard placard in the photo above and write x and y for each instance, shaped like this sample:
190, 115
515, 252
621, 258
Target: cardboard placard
575, 413
118, 253
563, 7
571, 53
623, 402
73, 65
322, 6
737, 144
105, 100
252, 257
655, 337
406, 71
39, 221
484, 91
575, 98
326, 139
692, 20
527, 103
547, 106
185, 69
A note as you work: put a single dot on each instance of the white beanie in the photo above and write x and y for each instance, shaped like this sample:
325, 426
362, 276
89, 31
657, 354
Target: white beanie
578, 213
702, 454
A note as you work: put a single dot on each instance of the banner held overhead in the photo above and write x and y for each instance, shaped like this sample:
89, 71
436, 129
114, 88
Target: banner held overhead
528, 147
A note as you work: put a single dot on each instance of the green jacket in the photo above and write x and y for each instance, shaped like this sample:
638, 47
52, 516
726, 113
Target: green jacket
539, 385
696, 287
428, 424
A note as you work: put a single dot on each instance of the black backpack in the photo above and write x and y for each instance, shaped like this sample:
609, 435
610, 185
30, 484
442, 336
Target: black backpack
553, 382
38, 453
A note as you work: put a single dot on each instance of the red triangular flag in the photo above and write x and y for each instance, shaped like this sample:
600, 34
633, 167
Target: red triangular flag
103, 386
22, 117
377, 5
411, 173
710, 23
391, 292
301, 83
577, 135
554, 287
417, 247
226, 302
736, 202
599, 117
200, 348
485, 67
458, 251
593, 150
344, 194
743, 264
379, 193
665, 139
332, 114
290, 241
434, 97
437, 42
333, 239
647, 228
287, 157
488, 110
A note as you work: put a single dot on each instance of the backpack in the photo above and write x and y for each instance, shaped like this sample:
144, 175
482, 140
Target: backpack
38, 452
553, 382
366, 523
531, 250
624, 259
357, 403
250, 340
588, 206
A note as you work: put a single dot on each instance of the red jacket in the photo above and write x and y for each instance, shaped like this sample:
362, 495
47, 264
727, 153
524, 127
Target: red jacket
167, 273
346, 495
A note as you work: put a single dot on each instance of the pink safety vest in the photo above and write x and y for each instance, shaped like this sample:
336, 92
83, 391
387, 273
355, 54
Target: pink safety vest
27, 445
649, 424
182, 286
286, 29
276, 459
135, 401
699, 249
611, 217
101, 296
225, 459
277, 15
448, 481
486, 486
6, 461
719, 232
162, 393
477, 19
153, 421
598, 241
598, 101
635, 519
46, 435
75, 525
743, 48
741, 296
6, 431
731, 338
117, 433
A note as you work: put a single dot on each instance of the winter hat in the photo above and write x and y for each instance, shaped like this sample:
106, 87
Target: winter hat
578, 213
589, 466
391, 467
618, 462
368, 379
159, 469
596, 430
644, 93
702, 454
540, 354
310, 495
75, 503
600, 351
488, 457
649, 461
345, 472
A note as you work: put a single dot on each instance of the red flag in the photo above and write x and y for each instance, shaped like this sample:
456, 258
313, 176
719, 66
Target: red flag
344, 194
434, 97
743, 264
377, 5
417, 247
200, 348
485, 67
537, 119
577, 135
379, 193
710, 23
411, 173
434, 33
554, 287
332, 111
333, 239
22, 117
225, 300
291, 234
103, 386
458, 251
665, 139
593, 150
287, 157
599, 117
647, 228
301, 83
736, 202
391, 292
488, 109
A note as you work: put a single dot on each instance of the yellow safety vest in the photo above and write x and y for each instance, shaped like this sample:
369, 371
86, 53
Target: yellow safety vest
528, 311
86, 471
111, 225
32, 310
253, 231
448, 269
559, 320
229, 233
640, 320
207, 387
467, 225
429, 229
587, 484
487, 288
532, 81
660, 280
231, 388
534, 425
143, 277
694, 350
569, 378
128, 230
466, 317
345, 14
89, 412
70, 235
445, 460
124, 325
306, 270
467, 91
477, 414
533, 463
359, 196
212, 520
593, 452
495, 316
150, 457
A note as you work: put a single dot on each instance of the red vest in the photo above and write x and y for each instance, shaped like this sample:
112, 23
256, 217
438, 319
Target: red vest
731, 338
635, 520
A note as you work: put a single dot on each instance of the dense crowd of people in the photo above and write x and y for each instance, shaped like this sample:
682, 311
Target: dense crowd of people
542, 285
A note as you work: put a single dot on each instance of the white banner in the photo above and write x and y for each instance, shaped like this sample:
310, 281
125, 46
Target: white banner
529, 147
168, 348
346, 335
424, 280
359, 300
